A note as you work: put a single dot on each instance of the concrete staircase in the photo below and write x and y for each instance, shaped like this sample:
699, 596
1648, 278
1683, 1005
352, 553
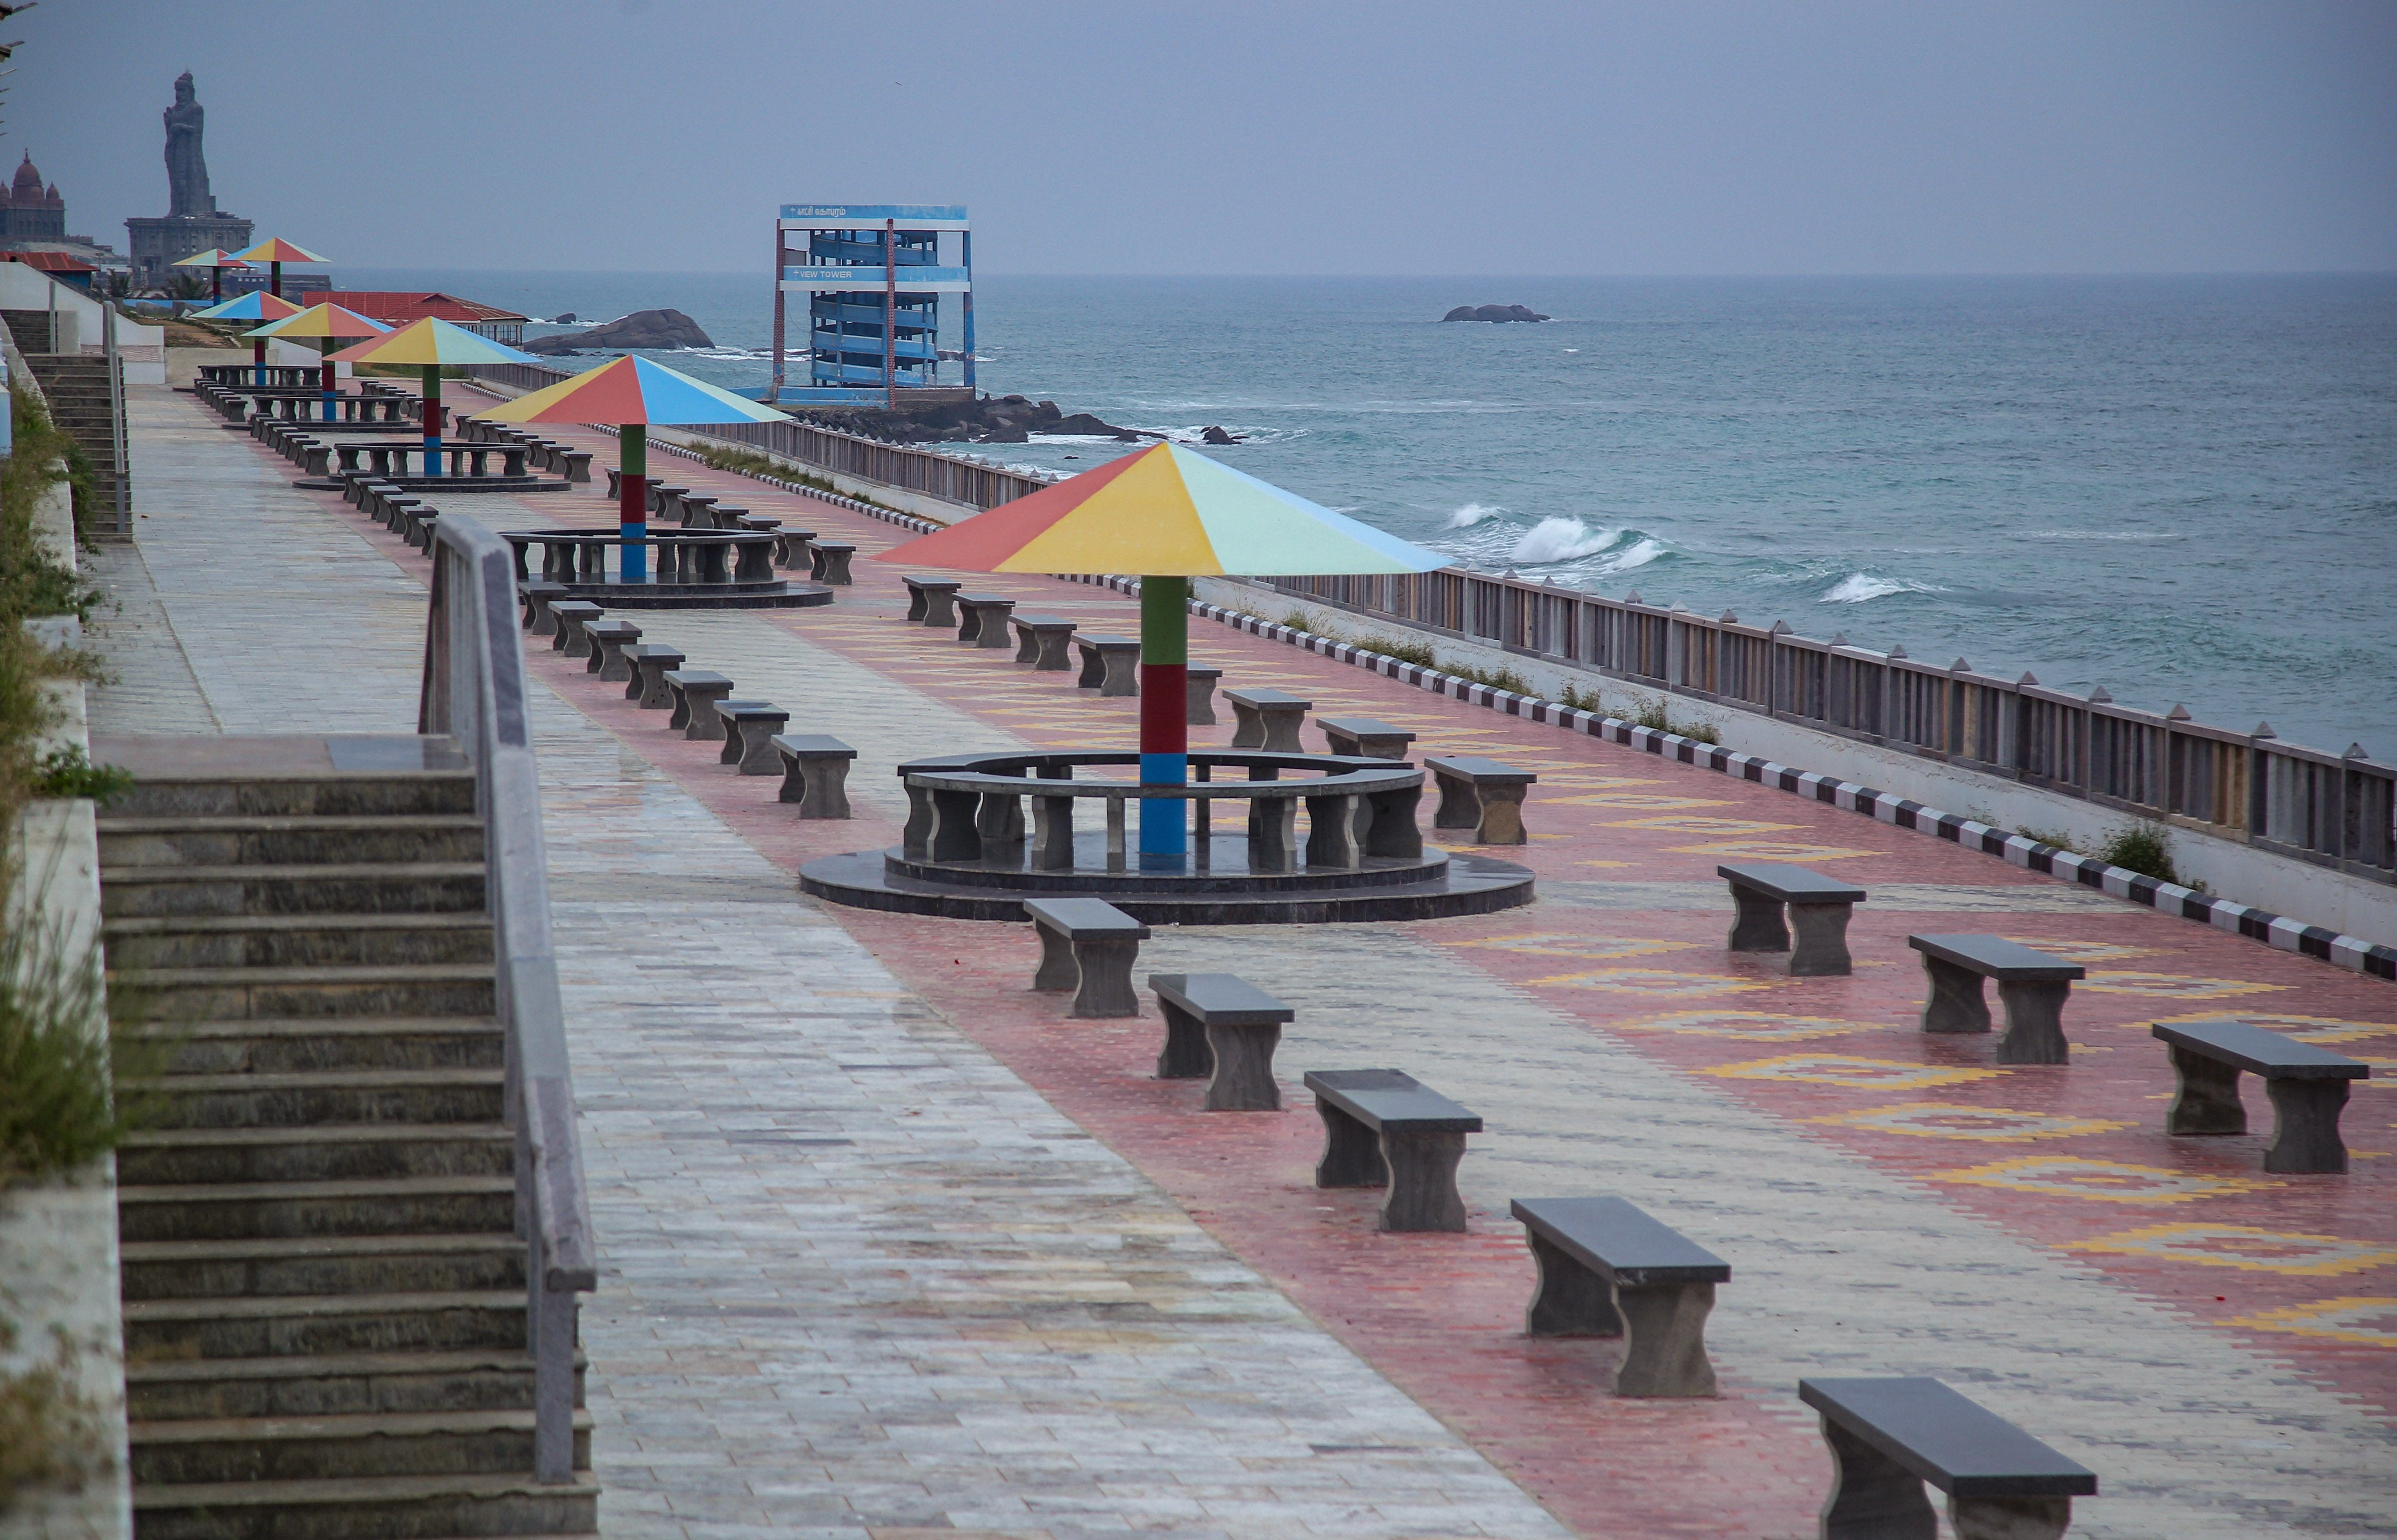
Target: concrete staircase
323, 1297
76, 386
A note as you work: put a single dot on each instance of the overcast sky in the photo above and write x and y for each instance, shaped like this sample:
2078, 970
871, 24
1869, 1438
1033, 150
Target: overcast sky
1292, 137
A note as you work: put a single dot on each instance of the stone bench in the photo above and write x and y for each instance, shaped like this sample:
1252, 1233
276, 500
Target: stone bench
1608, 1270
609, 639
578, 466
569, 616
2033, 985
535, 594
1365, 737
1110, 664
690, 510
615, 485
981, 619
1224, 1027
2308, 1086
929, 600
1889, 1435
759, 524
791, 549
1199, 688
651, 663
420, 521
815, 773
1043, 643
749, 729
830, 564
1087, 946
695, 692
1382, 1128
663, 499
1482, 796
1267, 719
1818, 909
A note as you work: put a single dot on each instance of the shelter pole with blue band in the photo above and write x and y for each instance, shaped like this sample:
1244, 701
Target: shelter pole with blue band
1164, 719
633, 502
431, 419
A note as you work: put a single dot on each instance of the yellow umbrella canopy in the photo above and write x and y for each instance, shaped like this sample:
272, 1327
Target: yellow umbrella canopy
274, 249
321, 321
432, 342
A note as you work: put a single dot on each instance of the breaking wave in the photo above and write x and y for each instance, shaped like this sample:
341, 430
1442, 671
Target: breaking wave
1561, 539
1471, 514
1858, 587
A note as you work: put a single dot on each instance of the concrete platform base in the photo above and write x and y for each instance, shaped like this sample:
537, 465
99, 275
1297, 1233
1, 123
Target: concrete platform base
778, 595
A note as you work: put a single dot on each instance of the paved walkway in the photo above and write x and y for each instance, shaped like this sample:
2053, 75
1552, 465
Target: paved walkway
889, 1243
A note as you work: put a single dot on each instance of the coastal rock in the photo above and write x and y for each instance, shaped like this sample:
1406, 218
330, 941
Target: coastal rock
1494, 313
550, 347
1218, 436
643, 329
1083, 425
563, 318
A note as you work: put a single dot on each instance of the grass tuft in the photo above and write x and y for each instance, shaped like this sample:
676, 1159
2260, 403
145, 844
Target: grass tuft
2141, 848
1655, 713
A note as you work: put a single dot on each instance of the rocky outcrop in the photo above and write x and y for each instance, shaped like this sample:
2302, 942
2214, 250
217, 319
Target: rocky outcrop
1494, 313
1006, 420
643, 329
1218, 436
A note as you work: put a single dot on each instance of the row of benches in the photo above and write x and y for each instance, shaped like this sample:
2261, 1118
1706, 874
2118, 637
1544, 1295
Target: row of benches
547, 454
699, 704
1604, 1267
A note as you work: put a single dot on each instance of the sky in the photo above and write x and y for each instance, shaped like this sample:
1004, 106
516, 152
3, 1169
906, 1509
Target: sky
1318, 137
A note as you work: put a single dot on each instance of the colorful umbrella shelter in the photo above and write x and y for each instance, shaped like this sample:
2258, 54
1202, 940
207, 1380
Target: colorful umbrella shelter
1170, 515
216, 261
429, 344
330, 325
256, 305
634, 395
274, 251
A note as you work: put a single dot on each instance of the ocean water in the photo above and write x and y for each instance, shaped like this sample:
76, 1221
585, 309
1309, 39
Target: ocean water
2183, 488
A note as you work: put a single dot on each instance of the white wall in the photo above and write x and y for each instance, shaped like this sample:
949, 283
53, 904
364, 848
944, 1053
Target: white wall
143, 346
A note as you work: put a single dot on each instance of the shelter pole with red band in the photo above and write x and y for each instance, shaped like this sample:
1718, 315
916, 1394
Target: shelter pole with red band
326, 347
633, 502
431, 419
1164, 718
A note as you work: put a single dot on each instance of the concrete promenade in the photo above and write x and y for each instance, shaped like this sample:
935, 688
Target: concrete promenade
890, 1244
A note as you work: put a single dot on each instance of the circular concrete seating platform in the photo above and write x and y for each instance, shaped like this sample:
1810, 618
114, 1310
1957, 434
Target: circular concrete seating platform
776, 594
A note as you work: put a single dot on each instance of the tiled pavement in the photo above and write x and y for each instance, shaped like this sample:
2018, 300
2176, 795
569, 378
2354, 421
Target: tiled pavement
2217, 1344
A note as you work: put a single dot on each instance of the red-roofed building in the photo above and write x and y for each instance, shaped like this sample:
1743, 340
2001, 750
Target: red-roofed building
57, 265
395, 307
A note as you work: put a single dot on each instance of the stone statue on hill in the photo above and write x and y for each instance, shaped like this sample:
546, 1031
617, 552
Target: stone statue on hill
187, 168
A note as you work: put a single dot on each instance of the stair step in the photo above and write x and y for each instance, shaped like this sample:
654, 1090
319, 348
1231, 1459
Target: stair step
298, 1385
299, 1045
257, 1268
283, 940
224, 1211
336, 1096
362, 888
383, 1508
317, 1152
414, 989
247, 1328
289, 839
369, 1444
397, 793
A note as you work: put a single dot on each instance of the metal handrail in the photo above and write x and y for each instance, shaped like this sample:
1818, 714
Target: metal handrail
475, 692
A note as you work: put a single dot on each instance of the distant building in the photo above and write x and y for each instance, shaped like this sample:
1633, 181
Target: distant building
65, 268
34, 217
397, 307
874, 276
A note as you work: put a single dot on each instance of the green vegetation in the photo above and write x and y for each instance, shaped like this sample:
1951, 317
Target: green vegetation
1656, 712
61, 1109
47, 1432
2141, 848
1582, 700
31, 585
750, 462
2050, 837
1418, 653
1496, 678
70, 773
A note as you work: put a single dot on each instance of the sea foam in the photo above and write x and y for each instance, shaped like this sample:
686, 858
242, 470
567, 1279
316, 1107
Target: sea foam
1561, 539
1471, 514
1858, 587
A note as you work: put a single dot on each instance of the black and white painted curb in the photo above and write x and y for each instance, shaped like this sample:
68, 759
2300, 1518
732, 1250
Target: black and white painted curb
2314, 941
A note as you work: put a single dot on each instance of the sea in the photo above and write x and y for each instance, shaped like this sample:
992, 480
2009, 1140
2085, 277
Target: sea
2183, 488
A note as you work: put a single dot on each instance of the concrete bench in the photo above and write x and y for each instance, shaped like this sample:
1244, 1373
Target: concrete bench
1267, 719
929, 600
1224, 1027
651, 663
791, 549
815, 773
663, 499
609, 639
757, 524
578, 466
420, 522
1110, 664
1480, 796
569, 616
981, 619
1819, 910
535, 594
1608, 1270
1198, 685
2308, 1086
691, 511
1889, 1435
1087, 946
695, 692
1368, 737
2033, 985
1043, 643
830, 565
1382, 1128
749, 729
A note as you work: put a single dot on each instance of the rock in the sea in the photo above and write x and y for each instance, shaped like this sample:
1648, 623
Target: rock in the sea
643, 329
563, 318
1218, 435
1494, 313
550, 347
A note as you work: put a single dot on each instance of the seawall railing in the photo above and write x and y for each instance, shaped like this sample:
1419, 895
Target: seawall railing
473, 691
2338, 811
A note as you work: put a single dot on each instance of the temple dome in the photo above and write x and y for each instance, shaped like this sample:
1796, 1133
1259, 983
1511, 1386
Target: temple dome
29, 179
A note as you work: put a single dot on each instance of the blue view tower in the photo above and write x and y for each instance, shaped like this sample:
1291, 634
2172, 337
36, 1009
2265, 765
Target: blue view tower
873, 276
